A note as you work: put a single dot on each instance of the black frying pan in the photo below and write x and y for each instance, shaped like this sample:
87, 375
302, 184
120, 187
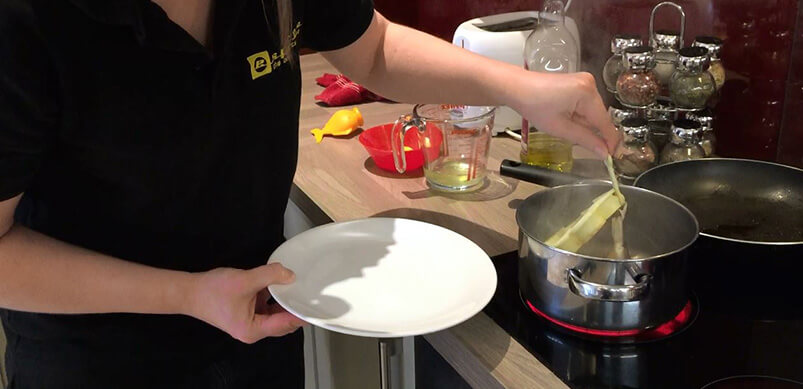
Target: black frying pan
750, 201
750, 253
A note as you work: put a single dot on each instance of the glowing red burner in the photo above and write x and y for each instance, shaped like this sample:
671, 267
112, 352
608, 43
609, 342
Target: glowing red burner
661, 331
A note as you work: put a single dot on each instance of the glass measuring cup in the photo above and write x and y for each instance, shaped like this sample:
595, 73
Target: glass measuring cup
455, 140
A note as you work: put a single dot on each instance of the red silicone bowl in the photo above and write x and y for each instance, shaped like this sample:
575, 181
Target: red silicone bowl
376, 141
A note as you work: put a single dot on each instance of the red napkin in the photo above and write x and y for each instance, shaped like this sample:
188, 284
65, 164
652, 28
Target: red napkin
342, 91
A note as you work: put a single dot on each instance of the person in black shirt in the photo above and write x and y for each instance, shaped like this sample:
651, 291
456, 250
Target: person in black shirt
147, 149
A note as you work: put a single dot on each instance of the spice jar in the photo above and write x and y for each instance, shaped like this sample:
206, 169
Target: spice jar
691, 85
685, 144
708, 140
615, 65
635, 153
619, 113
637, 86
666, 45
714, 47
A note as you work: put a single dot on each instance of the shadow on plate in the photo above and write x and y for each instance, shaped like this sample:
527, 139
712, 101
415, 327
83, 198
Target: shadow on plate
475, 232
341, 264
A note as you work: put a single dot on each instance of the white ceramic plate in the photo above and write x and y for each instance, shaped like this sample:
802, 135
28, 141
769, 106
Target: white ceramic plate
384, 277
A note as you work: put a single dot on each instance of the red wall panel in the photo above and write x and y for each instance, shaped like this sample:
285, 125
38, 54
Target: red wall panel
759, 96
790, 150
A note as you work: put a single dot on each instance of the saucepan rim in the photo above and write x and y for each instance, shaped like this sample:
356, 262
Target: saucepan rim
519, 216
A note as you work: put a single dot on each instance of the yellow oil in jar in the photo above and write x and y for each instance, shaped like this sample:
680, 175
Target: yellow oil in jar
454, 175
544, 150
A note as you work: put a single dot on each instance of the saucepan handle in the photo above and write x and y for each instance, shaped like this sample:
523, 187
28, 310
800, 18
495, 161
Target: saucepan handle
537, 175
602, 292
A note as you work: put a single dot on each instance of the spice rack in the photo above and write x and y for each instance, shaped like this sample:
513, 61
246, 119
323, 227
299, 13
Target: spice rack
688, 81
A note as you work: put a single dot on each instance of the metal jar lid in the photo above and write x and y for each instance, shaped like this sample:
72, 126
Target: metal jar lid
712, 43
639, 58
685, 131
619, 113
663, 109
635, 128
664, 40
622, 41
705, 117
693, 59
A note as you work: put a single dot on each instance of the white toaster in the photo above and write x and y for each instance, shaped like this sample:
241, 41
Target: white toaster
502, 37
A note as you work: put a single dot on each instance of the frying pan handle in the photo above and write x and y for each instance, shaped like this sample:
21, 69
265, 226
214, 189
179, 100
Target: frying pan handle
602, 292
537, 175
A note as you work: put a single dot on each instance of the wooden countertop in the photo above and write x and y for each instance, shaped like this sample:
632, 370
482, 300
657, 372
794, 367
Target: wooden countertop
344, 183
337, 181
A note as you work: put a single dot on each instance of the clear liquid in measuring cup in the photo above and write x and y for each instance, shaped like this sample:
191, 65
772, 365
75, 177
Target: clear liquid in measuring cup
453, 176
462, 163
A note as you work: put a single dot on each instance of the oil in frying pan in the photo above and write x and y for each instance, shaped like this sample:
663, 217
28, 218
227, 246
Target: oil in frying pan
729, 215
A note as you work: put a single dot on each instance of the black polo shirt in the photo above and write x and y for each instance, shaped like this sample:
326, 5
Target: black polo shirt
130, 138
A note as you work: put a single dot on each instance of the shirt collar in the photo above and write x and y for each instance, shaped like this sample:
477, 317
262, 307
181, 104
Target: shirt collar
120, 12
132, 13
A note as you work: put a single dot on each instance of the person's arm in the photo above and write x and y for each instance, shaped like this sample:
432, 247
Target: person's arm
408, 65
42, 274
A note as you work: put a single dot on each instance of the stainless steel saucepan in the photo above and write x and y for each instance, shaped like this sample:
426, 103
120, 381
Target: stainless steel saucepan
591, 288
749, 257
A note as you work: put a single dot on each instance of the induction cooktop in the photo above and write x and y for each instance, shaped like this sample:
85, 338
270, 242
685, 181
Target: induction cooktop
715, 348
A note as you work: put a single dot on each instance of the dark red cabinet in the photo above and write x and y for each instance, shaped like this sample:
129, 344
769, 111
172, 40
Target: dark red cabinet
760, 114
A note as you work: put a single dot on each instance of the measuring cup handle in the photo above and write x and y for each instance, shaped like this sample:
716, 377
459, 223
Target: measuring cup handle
397, 133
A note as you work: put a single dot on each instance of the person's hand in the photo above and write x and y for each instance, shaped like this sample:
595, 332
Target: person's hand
567, 106
236, 301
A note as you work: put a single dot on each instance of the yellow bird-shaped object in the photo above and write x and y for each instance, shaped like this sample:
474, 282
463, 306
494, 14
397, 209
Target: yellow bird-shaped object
343, 122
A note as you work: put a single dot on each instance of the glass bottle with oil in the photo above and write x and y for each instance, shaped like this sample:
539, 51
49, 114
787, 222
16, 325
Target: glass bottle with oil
541, 149
550, 48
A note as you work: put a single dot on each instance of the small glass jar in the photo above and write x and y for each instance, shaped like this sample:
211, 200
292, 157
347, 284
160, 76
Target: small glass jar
692, 85
636, 153
708, 140
685, 144
714, 47
666, 45
619, 113
637, 86
615, 64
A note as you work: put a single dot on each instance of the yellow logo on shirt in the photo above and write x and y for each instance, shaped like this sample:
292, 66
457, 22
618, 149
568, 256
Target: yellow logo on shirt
260, 64
264, 62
